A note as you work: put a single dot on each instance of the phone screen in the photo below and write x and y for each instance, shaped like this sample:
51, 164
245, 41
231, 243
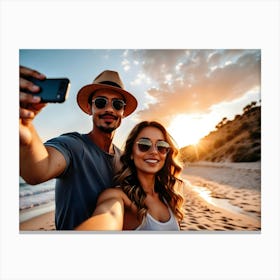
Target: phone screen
53, 89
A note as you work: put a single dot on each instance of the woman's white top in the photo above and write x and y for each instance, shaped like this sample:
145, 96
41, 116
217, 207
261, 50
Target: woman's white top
150, 223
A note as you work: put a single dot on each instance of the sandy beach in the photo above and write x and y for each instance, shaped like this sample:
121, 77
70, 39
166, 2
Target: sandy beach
219, 197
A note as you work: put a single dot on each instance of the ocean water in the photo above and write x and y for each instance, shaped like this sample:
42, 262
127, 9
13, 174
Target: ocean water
37, 195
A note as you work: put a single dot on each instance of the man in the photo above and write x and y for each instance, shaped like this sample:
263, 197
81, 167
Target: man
83, 164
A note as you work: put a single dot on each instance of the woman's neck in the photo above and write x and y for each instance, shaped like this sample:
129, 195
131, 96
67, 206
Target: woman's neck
147, 182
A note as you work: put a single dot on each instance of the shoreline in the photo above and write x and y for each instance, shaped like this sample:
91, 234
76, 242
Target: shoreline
237, 184
29, 213
222, 197
202, 215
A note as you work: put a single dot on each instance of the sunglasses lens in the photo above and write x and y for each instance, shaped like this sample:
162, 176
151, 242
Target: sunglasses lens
144, 145
118, 104
163, 147
100, 102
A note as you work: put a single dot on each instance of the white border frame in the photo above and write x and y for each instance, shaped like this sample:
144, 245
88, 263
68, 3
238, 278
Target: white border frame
140, 24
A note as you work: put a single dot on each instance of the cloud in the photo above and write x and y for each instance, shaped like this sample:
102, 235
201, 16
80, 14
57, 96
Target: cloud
192, 81
126, 64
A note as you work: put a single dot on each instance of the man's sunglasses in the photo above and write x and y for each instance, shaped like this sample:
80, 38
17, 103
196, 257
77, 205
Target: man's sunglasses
145, 144
101, 102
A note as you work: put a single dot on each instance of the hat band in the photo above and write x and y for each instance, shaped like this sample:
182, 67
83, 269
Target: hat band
109, 83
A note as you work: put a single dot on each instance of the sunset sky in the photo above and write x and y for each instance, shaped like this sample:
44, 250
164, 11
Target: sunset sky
189, 91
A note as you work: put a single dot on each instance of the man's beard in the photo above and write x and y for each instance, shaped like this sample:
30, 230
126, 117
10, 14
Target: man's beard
106, 129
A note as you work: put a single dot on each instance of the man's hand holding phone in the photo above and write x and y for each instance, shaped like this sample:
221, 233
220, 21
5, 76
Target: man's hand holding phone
35, 92
36, 89
29, 103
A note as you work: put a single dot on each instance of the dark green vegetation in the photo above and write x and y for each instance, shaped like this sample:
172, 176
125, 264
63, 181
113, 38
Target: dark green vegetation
237, 140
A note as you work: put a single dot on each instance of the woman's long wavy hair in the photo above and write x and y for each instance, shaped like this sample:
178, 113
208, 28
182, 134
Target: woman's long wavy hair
167, 183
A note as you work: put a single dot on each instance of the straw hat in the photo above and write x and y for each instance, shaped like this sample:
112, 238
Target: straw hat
106, 80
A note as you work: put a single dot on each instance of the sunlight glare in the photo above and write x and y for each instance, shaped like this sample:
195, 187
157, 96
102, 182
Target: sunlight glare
189, 129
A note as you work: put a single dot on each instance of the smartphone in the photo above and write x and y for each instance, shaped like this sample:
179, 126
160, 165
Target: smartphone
53, 90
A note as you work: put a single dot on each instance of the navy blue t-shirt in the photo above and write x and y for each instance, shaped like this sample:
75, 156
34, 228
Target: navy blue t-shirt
89, 171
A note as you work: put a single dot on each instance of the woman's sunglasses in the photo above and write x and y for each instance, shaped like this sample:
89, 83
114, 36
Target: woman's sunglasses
145, 144
101, 102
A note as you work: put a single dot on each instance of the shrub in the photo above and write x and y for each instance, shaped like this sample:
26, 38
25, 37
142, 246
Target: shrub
231, 149
255, 144
244, 126
229, 137
255, 135
243, 154
218, 143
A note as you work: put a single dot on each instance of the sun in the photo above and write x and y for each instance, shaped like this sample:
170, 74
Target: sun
188, 129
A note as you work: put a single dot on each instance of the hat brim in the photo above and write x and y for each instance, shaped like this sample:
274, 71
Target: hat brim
84, 93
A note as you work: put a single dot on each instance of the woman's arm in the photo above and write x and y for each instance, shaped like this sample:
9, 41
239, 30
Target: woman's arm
109, 212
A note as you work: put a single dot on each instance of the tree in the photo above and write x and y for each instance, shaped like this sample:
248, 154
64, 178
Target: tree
221, 123
248, 107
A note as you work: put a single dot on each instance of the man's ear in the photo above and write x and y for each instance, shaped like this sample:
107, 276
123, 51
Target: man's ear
89, 109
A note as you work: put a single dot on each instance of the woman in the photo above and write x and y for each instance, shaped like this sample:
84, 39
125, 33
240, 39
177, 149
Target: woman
148, 196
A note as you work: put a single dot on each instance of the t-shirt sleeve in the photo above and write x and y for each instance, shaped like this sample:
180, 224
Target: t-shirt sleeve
65, 145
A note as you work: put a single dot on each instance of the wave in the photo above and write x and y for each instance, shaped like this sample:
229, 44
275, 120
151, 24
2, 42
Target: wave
31, 196
26, 189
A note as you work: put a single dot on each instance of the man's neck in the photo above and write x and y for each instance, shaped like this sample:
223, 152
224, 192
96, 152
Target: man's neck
102, 140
